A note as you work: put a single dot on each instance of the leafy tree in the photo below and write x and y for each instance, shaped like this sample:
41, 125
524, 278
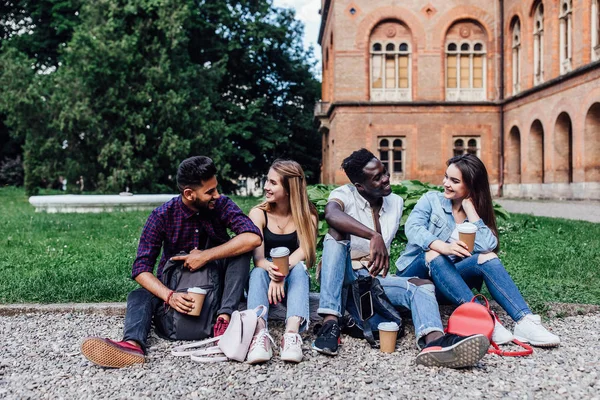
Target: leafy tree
39, 28
142, 84
268, 88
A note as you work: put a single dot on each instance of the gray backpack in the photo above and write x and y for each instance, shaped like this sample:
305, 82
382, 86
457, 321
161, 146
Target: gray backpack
173, 325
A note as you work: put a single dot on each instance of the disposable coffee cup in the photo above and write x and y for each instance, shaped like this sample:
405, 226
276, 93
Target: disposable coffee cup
466, 233
198, 294
281, 258
388, 333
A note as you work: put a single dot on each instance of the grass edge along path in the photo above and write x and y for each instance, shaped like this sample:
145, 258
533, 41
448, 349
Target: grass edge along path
58, 258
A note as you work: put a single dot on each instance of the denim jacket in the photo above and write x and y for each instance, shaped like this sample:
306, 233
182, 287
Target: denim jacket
431, 220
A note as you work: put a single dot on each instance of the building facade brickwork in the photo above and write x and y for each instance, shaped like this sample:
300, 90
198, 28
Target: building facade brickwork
515, 82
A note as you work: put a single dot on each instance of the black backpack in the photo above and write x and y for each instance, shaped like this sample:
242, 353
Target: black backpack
381, 306
173, 325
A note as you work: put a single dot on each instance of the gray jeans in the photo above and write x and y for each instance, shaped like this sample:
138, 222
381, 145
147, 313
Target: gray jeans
141, 304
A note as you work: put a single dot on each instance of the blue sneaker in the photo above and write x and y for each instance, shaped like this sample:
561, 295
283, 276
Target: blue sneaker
328, 339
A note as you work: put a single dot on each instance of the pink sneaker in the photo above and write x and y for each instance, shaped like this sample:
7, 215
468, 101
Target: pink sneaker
111, 354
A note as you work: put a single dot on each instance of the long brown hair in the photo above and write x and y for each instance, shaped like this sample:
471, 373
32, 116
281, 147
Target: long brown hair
294, 183
475, 177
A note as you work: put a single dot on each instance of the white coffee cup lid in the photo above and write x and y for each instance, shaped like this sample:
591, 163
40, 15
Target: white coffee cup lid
196, 290
388, 326
280, 252
467, 227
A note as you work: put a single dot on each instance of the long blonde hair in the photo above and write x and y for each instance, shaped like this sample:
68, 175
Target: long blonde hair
294, 183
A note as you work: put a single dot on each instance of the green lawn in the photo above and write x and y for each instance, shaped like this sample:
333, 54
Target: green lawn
87, 257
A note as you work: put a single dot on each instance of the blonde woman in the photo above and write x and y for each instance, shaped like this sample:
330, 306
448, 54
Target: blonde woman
286, 219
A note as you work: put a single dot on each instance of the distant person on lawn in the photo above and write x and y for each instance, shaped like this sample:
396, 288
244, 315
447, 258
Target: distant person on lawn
363, 219
184, 223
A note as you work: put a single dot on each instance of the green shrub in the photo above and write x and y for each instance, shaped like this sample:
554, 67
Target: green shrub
410, 191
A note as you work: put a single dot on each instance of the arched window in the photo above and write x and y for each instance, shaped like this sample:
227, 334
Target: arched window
516, 57
566, 34
390, 71
472, 145
595, 30
538, 44
392, 157
465, 71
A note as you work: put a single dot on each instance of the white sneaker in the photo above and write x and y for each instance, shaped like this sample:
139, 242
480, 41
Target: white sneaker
260, 347
291, 347
530, 330
501, 335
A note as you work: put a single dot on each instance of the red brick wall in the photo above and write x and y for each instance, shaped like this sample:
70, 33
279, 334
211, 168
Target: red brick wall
428, 123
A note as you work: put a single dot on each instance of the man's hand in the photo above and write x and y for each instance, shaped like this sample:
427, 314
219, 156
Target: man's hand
181, 302
380, 259
193, 261
276, 292
274, 273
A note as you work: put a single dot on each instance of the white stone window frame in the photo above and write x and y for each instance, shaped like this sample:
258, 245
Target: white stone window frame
595, 30
516, 57
396, 93
566, 36
538, 44
395, 176
470, 93
466, 147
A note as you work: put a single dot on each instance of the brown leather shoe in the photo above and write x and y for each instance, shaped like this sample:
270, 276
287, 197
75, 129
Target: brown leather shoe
111, 354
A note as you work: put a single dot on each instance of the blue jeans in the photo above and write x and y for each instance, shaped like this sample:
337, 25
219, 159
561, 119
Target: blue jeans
296, 288
336, 270
455, 280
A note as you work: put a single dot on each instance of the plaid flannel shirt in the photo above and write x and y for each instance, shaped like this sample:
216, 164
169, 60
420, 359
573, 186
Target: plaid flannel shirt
173, 227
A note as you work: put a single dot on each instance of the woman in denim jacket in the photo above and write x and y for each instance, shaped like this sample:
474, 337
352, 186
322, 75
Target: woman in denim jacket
434, 250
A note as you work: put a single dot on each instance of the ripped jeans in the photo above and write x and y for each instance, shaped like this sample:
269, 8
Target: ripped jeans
336, 270
454, 281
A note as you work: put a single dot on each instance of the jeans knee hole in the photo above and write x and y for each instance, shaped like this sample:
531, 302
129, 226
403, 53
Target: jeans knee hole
428, 289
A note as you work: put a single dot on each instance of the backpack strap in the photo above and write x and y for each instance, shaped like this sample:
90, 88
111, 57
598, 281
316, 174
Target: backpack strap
183, 350
200, 355
496, 350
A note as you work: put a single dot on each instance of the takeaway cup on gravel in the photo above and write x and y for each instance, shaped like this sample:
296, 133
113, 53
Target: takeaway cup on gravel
198, 294
281, 258
388, 333
466, 233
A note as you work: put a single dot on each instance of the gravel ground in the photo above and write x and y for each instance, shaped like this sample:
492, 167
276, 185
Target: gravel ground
39, 358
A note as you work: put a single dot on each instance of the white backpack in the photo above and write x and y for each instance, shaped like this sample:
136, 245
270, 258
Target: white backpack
234, 344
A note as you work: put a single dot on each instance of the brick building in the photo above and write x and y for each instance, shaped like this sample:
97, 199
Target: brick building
417, 81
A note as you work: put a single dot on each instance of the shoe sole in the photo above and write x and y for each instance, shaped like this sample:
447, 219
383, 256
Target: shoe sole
107, 355
467, 353
258, 360
325, 350
537, 344
292, 359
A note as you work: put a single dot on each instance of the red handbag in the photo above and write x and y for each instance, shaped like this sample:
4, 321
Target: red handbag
474, 318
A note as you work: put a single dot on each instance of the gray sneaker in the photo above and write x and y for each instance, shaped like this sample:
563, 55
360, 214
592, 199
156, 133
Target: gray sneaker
454, 351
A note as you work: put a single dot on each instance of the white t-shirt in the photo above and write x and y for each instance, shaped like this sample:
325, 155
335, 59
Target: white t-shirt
358, 208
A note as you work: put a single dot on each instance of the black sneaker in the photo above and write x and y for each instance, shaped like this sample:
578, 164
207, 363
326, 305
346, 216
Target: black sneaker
454, 351
328, 339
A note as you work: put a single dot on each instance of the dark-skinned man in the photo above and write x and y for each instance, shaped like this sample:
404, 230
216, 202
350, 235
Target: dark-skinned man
364, 217
199, 215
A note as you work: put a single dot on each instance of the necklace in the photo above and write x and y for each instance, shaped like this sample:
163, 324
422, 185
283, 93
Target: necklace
284, 226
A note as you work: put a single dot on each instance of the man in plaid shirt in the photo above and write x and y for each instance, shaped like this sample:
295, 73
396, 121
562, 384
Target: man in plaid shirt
199, 215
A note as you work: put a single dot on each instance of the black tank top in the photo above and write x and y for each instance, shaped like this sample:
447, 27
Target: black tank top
272, 240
